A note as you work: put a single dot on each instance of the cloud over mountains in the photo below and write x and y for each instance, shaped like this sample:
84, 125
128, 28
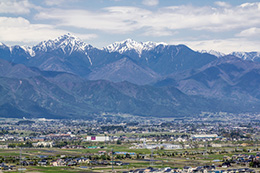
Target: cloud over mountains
149, 20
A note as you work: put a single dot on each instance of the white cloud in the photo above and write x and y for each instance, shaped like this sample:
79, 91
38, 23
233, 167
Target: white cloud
16, 7
209, 18
112, 20
128, 19
158, 33
151, 2
21, 30
251, 32
222, 4
53, 2
211, 21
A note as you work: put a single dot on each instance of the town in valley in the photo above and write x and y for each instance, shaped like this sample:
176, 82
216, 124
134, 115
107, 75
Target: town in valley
210, 142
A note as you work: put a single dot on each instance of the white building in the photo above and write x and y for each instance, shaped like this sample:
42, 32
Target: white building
205, 136
165, 146
43, 144
97, 138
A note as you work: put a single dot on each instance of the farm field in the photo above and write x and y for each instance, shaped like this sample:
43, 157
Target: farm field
159, 158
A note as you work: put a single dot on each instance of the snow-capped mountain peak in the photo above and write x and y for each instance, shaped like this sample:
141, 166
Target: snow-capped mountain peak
249, 56
130, 44
29, 50
67, 43
3, 45
213, 52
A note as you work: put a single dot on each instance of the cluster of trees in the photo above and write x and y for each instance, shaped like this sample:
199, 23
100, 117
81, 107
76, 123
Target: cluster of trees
235, 134
5, 132
111, 128
27, 144
61, 144
255, 164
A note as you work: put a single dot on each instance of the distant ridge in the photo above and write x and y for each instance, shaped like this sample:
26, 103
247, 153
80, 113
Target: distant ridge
66, 77
248, 56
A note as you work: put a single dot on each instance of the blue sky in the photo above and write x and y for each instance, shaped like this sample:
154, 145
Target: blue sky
223, 26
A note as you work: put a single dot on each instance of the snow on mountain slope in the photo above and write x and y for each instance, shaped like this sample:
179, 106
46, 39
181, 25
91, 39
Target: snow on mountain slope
29, 50
213, 52
2, 44
129, 44
68, 43
249, 56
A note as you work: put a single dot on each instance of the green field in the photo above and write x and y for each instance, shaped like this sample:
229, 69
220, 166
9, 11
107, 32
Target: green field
162, 158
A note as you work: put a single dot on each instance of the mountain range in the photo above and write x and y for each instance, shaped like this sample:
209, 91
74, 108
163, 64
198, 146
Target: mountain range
67, 78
